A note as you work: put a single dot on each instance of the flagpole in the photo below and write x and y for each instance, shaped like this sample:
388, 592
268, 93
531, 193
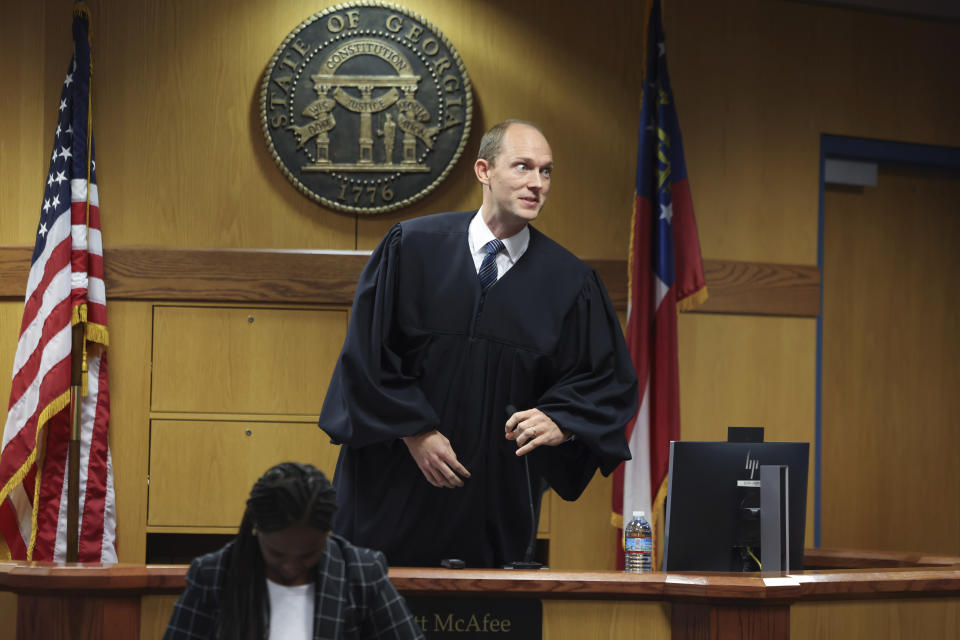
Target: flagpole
77, 364
78, 361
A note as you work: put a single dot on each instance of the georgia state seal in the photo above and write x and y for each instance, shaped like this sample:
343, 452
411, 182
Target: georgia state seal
365, 107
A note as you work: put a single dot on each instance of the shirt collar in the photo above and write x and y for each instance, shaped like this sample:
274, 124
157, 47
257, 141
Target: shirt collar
479, 234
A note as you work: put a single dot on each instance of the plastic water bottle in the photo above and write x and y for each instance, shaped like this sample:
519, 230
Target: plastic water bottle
638, 545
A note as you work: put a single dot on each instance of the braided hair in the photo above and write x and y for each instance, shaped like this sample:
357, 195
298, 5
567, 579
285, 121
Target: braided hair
287, 494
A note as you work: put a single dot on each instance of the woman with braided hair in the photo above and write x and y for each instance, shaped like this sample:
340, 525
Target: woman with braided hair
285, 576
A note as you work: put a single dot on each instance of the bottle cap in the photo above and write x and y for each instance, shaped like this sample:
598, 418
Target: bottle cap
638, 514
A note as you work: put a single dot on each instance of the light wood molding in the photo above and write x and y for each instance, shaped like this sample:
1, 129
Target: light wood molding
227, 531
759, 288
329, 277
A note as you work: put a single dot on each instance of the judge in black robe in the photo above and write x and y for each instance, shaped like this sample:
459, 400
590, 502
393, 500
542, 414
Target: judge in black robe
427, 349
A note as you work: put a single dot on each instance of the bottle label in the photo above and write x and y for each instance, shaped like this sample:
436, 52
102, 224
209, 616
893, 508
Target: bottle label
641, 545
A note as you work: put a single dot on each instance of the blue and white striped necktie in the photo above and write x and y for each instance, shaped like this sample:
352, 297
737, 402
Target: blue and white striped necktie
488, 268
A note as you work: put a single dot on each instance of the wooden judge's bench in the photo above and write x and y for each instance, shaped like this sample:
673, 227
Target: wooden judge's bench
842, 594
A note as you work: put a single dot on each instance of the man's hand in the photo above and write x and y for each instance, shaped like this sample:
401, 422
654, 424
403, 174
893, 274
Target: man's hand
436, 459
533, 428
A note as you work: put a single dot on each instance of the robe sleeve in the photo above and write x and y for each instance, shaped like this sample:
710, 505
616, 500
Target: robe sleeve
371, 399
594, 398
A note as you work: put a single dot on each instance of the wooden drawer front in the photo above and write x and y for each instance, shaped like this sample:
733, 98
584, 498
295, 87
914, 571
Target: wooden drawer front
201, 472
244, 360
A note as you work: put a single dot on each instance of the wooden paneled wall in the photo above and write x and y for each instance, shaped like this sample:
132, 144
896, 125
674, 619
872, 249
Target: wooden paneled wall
182, 163
182, 160
756, 84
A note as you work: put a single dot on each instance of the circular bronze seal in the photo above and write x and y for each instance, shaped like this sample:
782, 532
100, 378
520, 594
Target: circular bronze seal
366, 107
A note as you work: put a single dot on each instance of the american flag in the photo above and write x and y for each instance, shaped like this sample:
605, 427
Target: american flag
65, 288
666, 273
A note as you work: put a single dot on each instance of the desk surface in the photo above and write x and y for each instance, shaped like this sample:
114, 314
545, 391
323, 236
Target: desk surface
900, 575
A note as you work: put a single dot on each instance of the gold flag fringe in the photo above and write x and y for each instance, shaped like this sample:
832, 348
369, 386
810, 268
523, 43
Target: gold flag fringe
694, 299
616, 520
81, 9
97, 333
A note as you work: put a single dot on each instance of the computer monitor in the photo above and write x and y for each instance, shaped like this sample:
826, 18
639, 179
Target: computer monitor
713, 500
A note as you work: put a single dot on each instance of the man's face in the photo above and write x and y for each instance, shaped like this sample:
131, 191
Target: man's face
517, 182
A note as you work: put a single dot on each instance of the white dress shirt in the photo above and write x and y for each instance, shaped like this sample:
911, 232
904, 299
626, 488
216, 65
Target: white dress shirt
479, 235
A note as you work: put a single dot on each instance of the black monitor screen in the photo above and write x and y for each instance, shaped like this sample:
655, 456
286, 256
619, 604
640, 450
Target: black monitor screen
712, 510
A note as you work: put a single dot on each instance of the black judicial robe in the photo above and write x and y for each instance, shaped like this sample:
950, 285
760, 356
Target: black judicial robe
426, 349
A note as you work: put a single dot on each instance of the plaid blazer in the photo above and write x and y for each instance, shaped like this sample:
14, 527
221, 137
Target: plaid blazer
354, 600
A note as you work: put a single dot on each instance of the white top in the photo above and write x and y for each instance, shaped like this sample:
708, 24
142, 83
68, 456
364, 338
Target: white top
291, 611
479, 235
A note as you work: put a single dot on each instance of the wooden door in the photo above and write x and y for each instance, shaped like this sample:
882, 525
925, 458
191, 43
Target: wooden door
891, 364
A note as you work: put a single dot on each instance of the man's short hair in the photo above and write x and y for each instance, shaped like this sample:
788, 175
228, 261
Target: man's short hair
492, 141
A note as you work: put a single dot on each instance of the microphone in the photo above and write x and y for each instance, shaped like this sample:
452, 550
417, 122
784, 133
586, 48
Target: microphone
528, 561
